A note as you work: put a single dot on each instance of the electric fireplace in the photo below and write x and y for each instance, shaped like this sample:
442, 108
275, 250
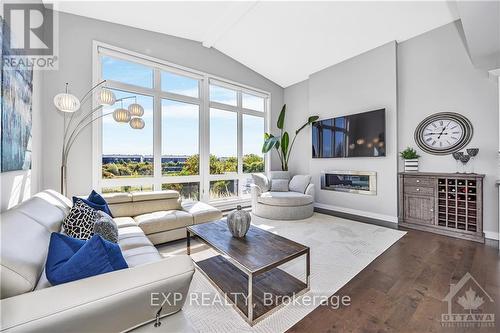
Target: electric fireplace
362, 182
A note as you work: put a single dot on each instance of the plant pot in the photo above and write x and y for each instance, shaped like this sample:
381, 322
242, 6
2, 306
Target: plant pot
411, 165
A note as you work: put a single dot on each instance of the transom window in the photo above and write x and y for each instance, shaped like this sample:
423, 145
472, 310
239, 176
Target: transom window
202, 135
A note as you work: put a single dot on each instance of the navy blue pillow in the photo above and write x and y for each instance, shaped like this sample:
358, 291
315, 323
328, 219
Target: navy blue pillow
96, 201
96, 198
71, 259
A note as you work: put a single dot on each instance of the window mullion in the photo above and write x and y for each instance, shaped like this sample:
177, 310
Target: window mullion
204, 142
157, 131
240, 141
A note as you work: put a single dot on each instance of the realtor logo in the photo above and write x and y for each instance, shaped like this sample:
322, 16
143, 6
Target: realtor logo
469, 305
28, 34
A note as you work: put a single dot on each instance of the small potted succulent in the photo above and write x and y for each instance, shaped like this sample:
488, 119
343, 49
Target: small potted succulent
411, 159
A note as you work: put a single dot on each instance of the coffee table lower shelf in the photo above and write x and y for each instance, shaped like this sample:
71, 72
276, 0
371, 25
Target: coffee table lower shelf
269, 288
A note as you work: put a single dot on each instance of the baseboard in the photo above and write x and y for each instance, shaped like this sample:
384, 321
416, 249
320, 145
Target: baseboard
375, 218
491, 235
356, 217
350, 211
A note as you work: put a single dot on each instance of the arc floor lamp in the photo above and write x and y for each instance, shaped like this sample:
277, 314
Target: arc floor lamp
69, 104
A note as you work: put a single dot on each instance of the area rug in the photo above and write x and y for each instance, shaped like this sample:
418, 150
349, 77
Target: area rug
340, 249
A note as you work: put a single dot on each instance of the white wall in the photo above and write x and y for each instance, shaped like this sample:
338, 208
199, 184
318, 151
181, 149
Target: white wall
435, 74
76, 34
363, 83
297, 105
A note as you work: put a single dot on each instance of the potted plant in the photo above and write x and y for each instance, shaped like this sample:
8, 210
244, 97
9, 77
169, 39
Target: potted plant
281, 142
411, 159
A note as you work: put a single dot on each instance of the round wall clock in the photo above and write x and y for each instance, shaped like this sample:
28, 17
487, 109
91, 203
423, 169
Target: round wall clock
443, 133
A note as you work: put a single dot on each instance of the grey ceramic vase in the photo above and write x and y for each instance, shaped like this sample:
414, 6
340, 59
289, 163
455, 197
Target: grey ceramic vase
238, 222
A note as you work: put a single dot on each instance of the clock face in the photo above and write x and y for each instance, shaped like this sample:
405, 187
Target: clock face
443, 133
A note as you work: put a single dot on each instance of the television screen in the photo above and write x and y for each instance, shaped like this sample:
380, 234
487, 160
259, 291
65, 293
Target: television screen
356, 135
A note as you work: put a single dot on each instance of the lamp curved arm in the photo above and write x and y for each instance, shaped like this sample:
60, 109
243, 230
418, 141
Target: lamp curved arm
83, 100
88, 115
75, 129
77, 133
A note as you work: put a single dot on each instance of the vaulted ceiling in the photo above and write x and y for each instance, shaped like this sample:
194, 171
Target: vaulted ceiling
283, 41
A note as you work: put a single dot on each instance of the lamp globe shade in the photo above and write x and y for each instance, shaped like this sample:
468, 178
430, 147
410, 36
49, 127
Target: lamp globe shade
67, 102
136, 110
137, 123
106, 97
121, 115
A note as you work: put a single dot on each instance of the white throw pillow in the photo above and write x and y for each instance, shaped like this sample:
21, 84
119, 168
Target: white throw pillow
261, 181
279, 185
299, 183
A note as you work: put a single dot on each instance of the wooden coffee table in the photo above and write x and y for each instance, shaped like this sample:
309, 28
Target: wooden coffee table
246, 270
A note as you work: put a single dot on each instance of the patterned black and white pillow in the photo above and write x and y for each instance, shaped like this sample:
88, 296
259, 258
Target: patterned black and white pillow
106, 227
80, 221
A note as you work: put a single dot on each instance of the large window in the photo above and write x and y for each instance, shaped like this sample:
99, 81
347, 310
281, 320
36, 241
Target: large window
203, 136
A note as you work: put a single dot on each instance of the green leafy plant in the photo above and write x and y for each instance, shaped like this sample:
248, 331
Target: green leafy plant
409, 154
282, 142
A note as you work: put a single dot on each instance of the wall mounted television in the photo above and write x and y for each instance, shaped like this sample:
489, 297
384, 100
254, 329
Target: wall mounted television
355, 135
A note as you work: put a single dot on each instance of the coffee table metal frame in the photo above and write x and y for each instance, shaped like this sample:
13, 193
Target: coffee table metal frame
251, 275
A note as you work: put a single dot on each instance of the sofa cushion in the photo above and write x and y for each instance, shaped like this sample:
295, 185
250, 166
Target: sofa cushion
163, 220
123, 222
71, 259
285, 199
279, 185
115, 198
141, 255
154, 195
261, 181
80, 221
132, 237
201, 211
24, 238
299, 183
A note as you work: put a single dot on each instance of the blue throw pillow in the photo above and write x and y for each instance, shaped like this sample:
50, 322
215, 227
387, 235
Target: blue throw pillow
71, 259
96, 198
96, 201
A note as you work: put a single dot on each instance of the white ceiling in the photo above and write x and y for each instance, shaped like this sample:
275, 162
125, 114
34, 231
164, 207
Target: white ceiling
283, 41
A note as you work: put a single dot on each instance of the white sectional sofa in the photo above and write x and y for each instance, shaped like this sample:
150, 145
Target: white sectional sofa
161, 215
112, 302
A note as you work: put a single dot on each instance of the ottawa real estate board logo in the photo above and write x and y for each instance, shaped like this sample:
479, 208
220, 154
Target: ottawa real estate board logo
469, 305
28, 36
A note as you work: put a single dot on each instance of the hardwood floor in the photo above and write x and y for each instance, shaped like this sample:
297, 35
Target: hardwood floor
402, 290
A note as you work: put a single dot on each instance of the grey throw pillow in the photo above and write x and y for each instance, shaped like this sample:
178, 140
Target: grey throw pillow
261, 181
279, 185
106, 227
299, 183
79, 223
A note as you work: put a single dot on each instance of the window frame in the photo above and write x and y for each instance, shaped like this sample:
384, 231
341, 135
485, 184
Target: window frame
203, 178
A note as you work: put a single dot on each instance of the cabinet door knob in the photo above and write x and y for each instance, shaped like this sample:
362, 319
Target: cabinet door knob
432, 209
418, 180
418, 190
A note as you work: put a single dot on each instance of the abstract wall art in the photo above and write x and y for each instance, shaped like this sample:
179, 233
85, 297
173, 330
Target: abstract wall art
16, 110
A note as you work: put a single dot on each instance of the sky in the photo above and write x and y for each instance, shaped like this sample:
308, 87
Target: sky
180, 121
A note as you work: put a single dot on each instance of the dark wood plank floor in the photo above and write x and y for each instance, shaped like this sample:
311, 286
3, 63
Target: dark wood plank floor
402, 290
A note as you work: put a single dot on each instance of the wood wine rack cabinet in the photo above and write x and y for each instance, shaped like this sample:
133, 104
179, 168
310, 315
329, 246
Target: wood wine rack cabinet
450, 204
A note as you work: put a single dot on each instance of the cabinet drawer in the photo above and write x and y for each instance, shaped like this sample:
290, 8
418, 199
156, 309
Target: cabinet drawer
419, 181
428, 191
